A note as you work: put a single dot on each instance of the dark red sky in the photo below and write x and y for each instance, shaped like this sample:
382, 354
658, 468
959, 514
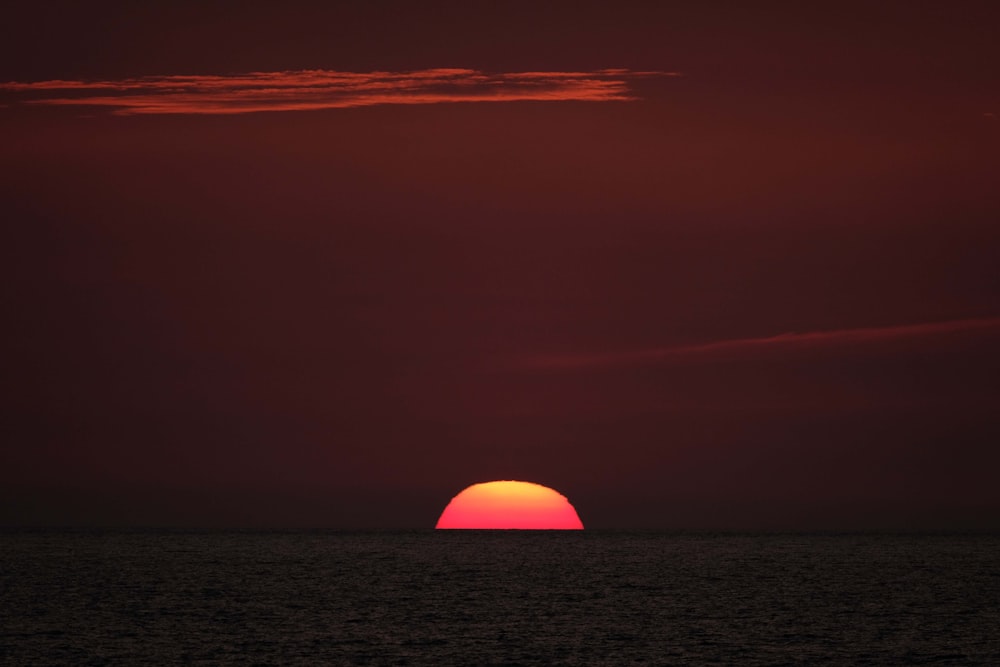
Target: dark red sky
764, 293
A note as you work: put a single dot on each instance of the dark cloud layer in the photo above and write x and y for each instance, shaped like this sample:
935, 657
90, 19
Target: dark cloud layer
749, 347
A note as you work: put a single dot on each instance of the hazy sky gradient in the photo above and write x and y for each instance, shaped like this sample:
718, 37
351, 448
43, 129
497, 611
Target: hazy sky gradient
774, 278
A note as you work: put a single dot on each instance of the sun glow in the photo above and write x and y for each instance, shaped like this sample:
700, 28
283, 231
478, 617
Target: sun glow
509, 504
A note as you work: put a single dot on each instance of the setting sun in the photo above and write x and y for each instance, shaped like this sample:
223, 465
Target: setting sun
510, 505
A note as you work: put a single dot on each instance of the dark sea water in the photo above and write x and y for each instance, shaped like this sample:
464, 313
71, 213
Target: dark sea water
497, 598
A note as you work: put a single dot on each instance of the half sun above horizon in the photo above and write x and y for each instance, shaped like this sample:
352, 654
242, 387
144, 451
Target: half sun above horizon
510, 505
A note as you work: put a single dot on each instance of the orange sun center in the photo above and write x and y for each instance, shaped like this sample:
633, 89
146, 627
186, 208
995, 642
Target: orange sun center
510, 504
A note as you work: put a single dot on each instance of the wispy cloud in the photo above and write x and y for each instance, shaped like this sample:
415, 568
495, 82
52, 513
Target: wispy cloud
739, 348
325, 89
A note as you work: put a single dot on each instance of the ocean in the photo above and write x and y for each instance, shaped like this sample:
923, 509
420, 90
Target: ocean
497, 598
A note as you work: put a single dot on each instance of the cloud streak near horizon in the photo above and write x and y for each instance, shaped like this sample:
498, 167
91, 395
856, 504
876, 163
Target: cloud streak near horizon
304, 90
740, 348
